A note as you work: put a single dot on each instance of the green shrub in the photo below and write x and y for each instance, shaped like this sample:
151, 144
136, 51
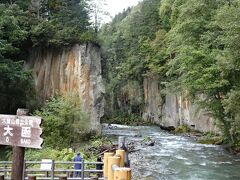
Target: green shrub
65, 154
65, 123
49, 153
98, 142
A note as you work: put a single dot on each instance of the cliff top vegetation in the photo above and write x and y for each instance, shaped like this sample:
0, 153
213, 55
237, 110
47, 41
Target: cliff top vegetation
26, 24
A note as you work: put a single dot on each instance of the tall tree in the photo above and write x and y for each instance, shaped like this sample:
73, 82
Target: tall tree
196, 42
97, 13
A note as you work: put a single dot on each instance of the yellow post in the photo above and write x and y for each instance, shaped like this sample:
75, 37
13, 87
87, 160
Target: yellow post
105, 164
122, 174
121, 154
112, 160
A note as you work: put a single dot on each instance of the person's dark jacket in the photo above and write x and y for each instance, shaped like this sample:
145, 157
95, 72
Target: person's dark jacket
99, 166
78, 158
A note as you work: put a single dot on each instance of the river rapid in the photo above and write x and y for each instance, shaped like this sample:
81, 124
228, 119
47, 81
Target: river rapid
174, 157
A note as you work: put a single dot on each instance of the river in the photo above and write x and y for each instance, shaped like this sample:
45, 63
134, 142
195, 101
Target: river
175, 157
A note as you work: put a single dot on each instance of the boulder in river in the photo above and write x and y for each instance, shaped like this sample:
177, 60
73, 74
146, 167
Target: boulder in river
151, 143
147, 141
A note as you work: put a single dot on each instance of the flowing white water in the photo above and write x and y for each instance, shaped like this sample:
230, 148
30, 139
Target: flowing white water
175, 157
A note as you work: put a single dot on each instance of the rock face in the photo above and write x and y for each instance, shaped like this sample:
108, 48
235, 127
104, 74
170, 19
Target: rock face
174, 110
168, 111
180, 111
152, 100
70, 69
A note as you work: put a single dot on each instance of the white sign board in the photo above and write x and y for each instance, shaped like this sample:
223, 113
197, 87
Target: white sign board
22, 131
46, 165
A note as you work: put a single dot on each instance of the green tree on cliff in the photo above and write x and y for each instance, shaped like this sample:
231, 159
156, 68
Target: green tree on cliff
201, 41
25, 24
15, 82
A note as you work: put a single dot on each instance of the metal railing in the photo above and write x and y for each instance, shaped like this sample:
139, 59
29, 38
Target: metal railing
58, 169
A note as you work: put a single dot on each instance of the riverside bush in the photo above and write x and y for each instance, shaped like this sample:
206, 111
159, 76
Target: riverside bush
65, 123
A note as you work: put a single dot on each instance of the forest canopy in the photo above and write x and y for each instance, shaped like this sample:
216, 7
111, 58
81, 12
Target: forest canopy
25, 24
191, 45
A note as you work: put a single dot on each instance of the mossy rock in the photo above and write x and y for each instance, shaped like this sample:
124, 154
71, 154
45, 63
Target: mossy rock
216, 140
183, 129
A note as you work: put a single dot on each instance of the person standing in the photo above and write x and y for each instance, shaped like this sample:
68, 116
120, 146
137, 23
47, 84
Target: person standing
78, 165
99, 166
127, 161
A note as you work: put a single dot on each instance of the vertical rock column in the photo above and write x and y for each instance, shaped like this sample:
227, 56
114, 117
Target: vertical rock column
72, 69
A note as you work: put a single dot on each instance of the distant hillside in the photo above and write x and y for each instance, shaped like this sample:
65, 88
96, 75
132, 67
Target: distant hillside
189, 46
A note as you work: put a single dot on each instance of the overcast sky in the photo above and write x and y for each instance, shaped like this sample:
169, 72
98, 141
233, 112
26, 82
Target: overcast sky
116, 6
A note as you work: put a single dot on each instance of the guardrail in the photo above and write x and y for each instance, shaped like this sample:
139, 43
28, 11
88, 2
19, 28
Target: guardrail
58, 169
114, 166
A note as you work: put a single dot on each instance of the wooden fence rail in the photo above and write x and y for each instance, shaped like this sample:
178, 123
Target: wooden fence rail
58, 170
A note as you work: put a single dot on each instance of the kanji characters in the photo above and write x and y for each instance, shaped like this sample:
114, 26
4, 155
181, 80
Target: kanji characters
26, 132
8, 130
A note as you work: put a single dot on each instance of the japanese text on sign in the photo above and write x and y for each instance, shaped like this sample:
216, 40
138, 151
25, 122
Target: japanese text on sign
20, 131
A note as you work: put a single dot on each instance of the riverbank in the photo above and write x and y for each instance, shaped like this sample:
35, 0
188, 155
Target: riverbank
125, 119
183, 130
200, 137
134, 120
203, 138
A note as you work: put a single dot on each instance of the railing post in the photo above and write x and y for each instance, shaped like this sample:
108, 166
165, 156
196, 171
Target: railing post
24, 169
105, 165
82, 173
1, 177
122, 173
112, 160
5, 168
53, 168
121, 154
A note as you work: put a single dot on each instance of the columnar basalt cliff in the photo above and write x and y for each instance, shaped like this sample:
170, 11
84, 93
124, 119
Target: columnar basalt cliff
174, 110
70, 69
165, 110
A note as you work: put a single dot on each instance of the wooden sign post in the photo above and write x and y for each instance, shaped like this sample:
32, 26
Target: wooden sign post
20, 131
18, 155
